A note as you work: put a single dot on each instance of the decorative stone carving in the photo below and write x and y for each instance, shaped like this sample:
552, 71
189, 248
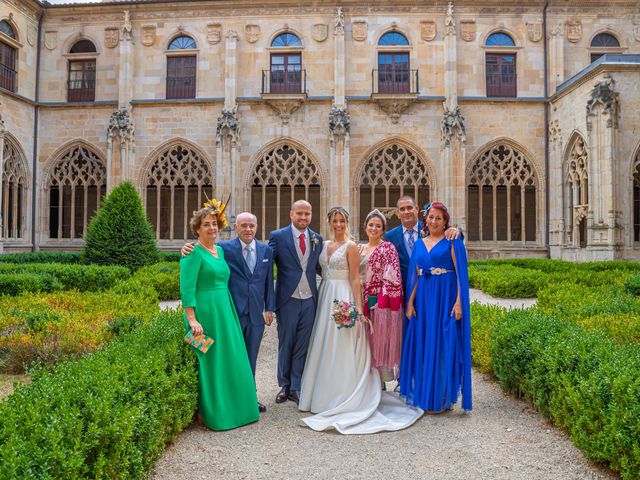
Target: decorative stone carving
32, 34
284, 108
574, 31
228, 125
232, 34
449, 22
359, 30
320, 32
558, 30
468, 30
338, 26
148, 35
555, 132
127, 28
603, 94
339, 122
252, 33
452, 123
111, 37
51, 39
394, 107
214, 33
121, 125
428, 30
534, 30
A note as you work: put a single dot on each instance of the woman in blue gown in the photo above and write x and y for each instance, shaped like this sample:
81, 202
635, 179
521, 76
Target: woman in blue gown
436, 354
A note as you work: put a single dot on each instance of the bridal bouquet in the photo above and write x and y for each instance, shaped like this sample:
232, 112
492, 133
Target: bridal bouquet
345, 314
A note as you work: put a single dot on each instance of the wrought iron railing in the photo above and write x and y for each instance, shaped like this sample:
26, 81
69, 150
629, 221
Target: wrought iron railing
7, 78
81, 90
292, 79
394, 80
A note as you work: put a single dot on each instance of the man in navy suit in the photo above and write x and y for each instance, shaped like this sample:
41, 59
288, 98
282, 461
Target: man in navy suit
296, 249
250, 283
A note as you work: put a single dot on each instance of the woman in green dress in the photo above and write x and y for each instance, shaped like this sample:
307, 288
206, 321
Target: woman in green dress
227, 392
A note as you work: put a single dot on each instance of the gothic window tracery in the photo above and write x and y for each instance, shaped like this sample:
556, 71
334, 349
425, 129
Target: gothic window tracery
391, 172
501, 196
281, 176
577, 182
14, 192
177, 183
76, 185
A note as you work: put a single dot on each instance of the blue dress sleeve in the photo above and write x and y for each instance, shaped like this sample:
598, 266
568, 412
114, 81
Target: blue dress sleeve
412, 273
462, 273
189, 269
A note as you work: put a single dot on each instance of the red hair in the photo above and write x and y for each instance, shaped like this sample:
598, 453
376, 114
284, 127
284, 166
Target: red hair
438, 206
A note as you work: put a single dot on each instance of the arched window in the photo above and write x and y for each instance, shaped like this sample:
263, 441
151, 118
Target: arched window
389, 173
636, 200
14, 192
577, 194
502, 197
8, 58
176, 185
286, 40
281, 176
603, 43
82, 72
394, 71
76, 186
181, 68
500, 65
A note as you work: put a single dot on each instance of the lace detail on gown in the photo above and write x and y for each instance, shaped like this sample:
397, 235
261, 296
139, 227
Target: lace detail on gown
336, 266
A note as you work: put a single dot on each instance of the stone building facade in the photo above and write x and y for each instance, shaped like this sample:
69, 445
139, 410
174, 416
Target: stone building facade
522, 119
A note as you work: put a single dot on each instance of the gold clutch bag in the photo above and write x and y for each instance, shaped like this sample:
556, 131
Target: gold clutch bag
200, 342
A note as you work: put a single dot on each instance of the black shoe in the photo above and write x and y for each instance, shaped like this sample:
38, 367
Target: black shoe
261, 408
294, 396
283, 395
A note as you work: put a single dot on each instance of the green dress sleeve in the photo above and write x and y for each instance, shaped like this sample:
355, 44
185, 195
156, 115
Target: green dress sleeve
189, 268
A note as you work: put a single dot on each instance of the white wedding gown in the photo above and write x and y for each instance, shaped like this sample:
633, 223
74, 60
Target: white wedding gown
338, 383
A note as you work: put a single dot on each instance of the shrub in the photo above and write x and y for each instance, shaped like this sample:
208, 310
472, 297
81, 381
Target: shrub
41, 257
584, 382
170, 256
507, 281
63, 325
78, 277
120, 233
483, 319
17, 283
163, 277
108, 415
632, 285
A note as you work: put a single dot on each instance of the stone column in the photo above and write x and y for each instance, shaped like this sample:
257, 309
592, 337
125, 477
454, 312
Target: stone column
604, 201
230, 69
120, 133
557, 207
2, 220
125, 79
452, 189
556, 57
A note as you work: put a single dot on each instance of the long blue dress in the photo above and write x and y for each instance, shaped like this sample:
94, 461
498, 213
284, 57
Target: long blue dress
436, 353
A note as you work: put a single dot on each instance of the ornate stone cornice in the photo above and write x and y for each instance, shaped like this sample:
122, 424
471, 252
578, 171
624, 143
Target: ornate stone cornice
604, 95
228, 125
452, 124
121, 125
339, 122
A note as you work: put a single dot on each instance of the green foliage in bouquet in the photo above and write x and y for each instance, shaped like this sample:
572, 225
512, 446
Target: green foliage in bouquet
108, 415
120, 233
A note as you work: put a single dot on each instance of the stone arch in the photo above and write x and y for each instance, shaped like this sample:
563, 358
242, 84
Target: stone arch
504, 193
14, 26
76, 37
181, 33
502, 29
175, 180
282, 171
575, 182
393, 27
74, 180
287, 29
388, 170
15, 189
618, 36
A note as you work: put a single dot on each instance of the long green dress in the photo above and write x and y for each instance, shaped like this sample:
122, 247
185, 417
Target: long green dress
226, 386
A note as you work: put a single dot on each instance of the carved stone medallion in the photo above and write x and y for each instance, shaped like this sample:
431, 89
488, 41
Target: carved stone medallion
111, 37
252, 33
359, 29
214, 33
468, 30
428, 30
535, 31
148, 35
51, 39
574, 31
320, 32
32, 33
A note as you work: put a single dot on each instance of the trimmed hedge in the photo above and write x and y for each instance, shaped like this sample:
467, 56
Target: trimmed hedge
632, 285
78, 277
108, 415
483, 321
170, 256
59, 326
587, 384
41, 257
163, 277
17, 283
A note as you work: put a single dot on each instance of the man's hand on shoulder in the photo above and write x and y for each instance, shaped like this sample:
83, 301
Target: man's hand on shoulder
452, 233
187, 249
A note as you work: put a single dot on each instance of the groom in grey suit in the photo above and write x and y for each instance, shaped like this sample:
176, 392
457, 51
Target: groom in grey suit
296, 249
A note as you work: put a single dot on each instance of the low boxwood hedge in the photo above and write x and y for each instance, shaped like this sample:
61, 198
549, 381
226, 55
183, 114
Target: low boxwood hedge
483, 320
163, 277
108, 415
586, 383
20, 282
41, 257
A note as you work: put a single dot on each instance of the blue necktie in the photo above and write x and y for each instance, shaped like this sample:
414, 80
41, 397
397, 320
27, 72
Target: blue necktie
410, 241
251, 261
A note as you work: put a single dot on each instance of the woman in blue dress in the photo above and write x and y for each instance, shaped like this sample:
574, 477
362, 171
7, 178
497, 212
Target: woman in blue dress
436, 354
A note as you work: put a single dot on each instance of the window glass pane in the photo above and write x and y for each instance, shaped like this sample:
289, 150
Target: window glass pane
286, 40
393, 38
605, 40
83, 46
500, 40
181, 43
7, 30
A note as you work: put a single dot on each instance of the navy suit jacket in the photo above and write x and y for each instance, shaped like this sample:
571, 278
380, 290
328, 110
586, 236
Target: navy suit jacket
285, 256
396, 237
252, 293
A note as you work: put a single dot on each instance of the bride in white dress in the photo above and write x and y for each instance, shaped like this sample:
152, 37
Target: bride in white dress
338, 383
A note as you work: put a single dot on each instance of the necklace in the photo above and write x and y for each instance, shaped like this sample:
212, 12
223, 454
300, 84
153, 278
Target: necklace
213, 251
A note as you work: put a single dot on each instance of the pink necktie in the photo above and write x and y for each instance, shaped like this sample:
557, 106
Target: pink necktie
303, 245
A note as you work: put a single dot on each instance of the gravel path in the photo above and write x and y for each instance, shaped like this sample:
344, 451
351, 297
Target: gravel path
502, 439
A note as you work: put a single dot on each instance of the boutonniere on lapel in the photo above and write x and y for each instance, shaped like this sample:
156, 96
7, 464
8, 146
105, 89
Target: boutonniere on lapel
314, 242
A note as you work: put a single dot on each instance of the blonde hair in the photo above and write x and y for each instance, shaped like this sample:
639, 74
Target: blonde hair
335, 211
198, 216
